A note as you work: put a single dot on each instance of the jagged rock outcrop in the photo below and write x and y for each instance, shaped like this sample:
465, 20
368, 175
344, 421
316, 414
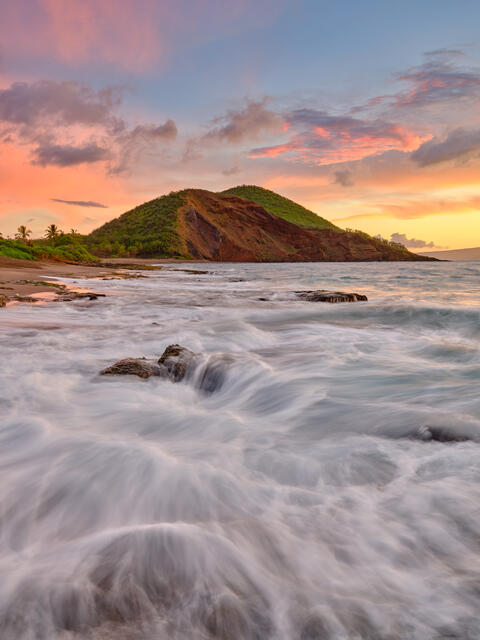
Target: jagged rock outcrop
175, 362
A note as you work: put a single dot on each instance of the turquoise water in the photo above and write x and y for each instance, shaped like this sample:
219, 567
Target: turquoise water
330, 488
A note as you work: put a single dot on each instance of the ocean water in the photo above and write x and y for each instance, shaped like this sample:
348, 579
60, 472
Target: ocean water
328, 488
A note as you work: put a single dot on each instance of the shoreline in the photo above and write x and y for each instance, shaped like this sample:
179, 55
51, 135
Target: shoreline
23, 281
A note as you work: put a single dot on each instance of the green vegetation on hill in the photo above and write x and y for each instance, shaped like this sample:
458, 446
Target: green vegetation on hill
149, 230
66, 248
280, 206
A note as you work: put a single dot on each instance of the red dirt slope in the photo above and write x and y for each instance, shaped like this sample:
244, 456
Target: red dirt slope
230, 229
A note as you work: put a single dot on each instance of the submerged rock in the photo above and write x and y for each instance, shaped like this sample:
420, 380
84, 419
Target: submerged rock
140, 367
175, 361
330, 296
212, 374
442, 434
232, 617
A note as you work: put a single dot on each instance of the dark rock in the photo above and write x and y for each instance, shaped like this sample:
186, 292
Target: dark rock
430, 433
263, 299
227, 619
3, 301
315, 629
330, 296
232, 618
77, 295
19, 298
140, 367
175, 362
193, 271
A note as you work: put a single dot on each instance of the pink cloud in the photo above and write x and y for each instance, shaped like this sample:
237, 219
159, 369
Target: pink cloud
79, 32
135, 35
321, 138
438, 81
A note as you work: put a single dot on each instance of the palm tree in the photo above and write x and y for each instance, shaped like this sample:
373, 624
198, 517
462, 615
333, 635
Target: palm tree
52, 232
23, 233
74, 232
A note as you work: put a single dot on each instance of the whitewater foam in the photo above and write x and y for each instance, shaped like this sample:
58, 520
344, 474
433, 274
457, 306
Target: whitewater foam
317, 476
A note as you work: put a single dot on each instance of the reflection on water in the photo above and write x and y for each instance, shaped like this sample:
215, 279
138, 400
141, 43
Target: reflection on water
328, 488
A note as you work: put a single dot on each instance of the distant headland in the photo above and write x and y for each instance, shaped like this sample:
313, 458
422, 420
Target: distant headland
243, 224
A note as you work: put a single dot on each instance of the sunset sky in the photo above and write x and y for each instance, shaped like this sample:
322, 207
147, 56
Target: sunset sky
365, 111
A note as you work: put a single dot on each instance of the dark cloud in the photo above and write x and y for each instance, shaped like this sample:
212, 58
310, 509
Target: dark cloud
343, 177
81, 203
411, 243
68, 155
66, 103
459, 143
49, 114
247, 123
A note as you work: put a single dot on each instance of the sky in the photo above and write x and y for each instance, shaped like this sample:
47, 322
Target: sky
365, 111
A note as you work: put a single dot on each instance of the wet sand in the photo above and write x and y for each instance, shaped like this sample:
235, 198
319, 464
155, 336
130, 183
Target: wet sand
24, 278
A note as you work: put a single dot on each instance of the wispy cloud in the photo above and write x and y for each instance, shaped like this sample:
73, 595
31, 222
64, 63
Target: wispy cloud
140, 139
81, 203
231, 171
459, 143
421, 208
134, 35
247, 123
343, 177
253, 120
438, 80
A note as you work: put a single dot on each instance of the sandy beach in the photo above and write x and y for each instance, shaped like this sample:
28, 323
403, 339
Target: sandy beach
23, 279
